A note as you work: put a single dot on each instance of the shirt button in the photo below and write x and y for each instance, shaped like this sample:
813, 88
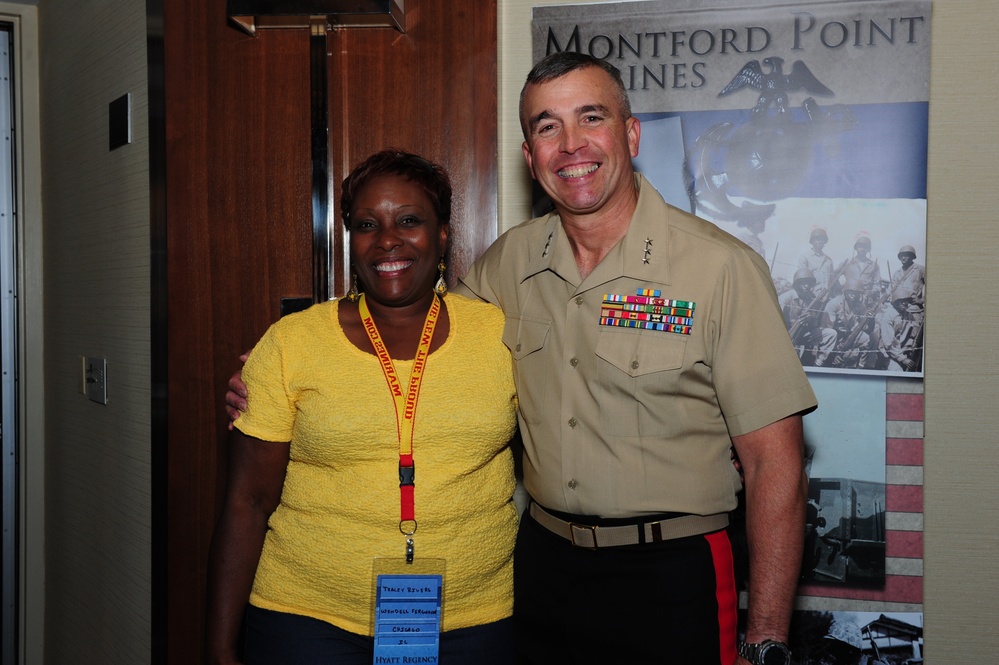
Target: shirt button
634, 364
518, 347
572, 484
579, 301
574, 361
572, 422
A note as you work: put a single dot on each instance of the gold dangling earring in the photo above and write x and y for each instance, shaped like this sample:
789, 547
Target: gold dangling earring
440, 288
353, 295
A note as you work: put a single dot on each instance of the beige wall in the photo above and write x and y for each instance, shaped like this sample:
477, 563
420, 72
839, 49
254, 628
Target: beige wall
962, 357
961, 586
96, 270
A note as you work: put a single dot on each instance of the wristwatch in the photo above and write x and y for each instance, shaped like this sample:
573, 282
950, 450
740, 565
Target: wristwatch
767, 652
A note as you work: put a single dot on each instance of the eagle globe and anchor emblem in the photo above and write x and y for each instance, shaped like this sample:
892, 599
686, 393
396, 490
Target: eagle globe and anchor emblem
770, 156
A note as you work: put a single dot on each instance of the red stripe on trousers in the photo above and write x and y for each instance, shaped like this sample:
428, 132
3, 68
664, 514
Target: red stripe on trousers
725, 593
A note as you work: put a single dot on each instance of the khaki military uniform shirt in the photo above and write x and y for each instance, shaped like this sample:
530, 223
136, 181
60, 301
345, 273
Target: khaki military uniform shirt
621, 422
821, 267
909, 283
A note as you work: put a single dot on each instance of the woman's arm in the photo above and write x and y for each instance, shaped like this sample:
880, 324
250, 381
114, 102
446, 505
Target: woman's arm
256, 478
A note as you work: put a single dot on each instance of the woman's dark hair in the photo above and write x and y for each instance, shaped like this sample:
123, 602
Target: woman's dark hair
432, 179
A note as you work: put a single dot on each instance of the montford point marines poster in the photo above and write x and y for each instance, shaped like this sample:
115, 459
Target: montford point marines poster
802, 130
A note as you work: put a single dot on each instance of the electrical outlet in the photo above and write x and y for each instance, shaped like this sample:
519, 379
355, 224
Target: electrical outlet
96, 373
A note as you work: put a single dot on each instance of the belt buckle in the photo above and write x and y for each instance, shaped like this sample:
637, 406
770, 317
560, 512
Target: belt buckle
573, 526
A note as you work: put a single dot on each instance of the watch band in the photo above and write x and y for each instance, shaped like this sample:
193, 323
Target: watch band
767, 652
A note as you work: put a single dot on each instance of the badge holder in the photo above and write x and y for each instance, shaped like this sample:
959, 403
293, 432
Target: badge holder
408, 607
408, 594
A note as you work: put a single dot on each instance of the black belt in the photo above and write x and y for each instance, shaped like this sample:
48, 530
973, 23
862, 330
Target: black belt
585, 535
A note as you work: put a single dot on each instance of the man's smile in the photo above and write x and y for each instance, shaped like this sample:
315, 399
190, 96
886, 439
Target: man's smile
577, 171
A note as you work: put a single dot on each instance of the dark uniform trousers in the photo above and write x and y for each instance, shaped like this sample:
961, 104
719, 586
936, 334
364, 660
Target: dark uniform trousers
668, 602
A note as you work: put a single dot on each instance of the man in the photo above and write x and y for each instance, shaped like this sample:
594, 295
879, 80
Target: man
647, 343
863, 269
801, 320
846, 327
816, 260
909, 283
643, 337
905, 319
750, 234
899, 329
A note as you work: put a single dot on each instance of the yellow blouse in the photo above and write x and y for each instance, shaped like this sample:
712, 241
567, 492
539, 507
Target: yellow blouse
339, 508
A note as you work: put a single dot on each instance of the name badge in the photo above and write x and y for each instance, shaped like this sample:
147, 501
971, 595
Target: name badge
407, 618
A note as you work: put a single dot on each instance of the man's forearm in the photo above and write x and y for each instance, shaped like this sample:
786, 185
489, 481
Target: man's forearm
776, 493
775, 530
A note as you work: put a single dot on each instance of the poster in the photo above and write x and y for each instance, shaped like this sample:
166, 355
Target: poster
845, 534
872, 638
800, 129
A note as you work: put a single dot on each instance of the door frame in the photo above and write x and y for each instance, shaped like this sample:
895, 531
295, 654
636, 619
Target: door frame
28, 446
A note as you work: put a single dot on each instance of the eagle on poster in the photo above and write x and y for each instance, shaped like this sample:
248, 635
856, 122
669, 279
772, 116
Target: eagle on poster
775, 85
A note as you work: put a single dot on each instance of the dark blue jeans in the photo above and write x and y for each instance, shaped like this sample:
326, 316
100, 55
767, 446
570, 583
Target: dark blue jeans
276, 638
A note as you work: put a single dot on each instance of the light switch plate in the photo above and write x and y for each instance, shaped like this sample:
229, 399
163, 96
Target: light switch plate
97, 375
120, 122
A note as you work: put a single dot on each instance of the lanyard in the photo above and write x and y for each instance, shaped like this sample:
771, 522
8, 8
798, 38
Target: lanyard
405, 407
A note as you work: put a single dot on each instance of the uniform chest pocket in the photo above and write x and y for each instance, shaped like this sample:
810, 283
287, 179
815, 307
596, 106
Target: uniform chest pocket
639, 371
527, 339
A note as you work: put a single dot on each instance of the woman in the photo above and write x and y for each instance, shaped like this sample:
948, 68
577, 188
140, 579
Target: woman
314, 495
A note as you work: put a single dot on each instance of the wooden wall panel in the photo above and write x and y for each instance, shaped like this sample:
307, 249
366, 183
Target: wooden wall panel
431, 91
238, 239
238, 210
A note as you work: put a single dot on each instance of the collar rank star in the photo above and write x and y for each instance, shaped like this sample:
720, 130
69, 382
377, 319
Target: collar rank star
548, 245
648, 310
648, 250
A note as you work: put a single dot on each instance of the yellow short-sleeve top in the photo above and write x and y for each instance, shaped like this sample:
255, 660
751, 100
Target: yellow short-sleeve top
339, 508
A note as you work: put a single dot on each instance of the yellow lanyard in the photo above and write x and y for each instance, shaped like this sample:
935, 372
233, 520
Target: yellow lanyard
405, 405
